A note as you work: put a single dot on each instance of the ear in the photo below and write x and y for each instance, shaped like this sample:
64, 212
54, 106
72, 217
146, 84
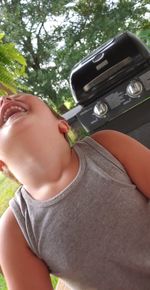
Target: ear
2, 164
63, 126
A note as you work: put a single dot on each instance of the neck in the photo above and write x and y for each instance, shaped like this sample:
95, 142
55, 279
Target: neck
44, 174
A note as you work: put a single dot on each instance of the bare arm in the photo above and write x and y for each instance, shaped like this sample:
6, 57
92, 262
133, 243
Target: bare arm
21, 268
134, 156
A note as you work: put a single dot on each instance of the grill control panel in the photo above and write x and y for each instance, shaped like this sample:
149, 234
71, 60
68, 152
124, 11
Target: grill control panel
115, 103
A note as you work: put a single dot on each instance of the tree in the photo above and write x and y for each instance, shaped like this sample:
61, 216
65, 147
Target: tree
12, 67
54, 35
144, 33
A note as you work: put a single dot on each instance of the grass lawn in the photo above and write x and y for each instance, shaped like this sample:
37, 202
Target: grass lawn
2, 283
7, 189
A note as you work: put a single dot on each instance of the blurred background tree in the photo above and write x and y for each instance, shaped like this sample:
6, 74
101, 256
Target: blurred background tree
54, 35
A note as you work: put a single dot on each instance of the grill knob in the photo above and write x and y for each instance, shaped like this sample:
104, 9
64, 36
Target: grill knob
100, 109
134, 89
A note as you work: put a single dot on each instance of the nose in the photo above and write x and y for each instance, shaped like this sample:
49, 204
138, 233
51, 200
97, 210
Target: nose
4, 99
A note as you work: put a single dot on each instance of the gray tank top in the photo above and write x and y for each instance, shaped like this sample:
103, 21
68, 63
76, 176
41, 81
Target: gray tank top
95, 234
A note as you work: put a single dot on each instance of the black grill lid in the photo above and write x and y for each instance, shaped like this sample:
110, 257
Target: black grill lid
111, 63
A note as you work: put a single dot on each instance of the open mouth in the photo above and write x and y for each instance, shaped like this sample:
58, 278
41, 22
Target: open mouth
12, 111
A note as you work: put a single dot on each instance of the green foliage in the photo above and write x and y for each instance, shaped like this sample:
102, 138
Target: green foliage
54, 281
2, 283
144, 33
7, 189
12, 67
54, 35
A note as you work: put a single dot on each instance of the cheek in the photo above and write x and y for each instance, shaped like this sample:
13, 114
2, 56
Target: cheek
45, 118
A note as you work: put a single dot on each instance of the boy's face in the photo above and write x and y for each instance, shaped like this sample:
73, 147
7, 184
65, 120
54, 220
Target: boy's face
16, 110
23, 119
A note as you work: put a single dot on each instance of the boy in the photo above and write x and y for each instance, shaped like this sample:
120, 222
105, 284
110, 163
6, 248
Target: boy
77, 215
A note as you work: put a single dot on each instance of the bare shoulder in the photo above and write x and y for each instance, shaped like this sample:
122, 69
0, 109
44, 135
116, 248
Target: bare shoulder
10, 232
116, 141
133, 155
105, 136
5, 233
9, 229
21, 267
110, 135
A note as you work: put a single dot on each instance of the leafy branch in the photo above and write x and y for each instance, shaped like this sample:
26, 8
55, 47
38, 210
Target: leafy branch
12, 67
